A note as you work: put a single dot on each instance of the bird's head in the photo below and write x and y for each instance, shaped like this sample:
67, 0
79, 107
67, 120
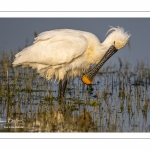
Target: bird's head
116, 40
117, 37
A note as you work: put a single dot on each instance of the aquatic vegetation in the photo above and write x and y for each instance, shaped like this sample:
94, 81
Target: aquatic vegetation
117, 101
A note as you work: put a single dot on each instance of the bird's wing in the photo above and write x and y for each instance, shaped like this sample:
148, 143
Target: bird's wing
53, 48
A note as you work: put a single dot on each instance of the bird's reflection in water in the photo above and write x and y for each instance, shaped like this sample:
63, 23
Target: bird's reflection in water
56, 119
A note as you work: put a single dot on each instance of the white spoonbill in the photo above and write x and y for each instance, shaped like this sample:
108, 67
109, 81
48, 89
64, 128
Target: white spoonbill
64, 53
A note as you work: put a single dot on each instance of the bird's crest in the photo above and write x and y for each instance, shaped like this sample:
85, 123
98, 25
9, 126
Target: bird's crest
119, 36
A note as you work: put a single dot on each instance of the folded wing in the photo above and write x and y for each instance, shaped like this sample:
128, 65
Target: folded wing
53, 48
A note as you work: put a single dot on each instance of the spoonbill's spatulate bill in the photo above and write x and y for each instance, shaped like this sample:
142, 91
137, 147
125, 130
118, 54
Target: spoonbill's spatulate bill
64, 53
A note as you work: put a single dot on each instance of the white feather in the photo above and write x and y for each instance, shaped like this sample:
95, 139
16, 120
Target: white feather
66, 53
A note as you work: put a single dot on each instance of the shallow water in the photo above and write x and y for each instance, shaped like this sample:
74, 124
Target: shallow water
117, 101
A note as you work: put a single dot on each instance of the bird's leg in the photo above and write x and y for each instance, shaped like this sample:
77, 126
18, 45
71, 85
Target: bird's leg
64, 88
60, 88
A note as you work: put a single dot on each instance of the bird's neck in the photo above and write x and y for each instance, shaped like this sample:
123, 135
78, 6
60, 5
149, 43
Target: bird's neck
103, 48
93, 54
100, 52
108, 42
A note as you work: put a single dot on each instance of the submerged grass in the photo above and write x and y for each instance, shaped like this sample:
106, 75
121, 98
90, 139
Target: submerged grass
117, 101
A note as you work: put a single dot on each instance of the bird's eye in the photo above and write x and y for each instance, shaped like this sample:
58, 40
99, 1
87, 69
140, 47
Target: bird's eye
114, 43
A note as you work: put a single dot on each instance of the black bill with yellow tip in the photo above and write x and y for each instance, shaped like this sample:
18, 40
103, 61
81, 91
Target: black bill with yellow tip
89, 76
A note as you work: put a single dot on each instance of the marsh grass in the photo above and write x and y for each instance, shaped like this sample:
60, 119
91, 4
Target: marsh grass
117, 101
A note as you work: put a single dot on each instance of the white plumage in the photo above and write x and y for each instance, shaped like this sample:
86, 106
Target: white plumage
64, 53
